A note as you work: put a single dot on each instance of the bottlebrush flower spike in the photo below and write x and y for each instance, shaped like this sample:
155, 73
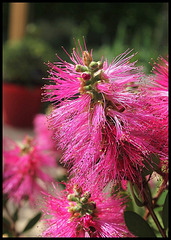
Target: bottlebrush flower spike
24, 173
160, 83
83, 212
96, 120
157, 104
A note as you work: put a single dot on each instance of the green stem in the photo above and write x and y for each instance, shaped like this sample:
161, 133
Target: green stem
152, 213
155, 199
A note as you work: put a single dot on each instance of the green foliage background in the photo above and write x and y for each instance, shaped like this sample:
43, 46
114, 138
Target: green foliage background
109, 28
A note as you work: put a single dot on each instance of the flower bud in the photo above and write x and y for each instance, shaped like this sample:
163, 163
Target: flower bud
86, 76
100, 64
77, 208
87, 58
80, 68
71, 197
83, 200
93, 65
88, 88
98, 75
77, 190
87, 195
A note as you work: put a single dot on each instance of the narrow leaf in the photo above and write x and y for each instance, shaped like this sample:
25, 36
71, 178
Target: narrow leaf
137, 201
147, 170
151, 165
32, 222
137, 225
165, 213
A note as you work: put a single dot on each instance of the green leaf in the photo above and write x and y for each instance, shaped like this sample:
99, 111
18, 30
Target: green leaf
165, 213
137, 201
147, 170
129, 205
32, 222
151, 165
162, 198
155, 161
137, 225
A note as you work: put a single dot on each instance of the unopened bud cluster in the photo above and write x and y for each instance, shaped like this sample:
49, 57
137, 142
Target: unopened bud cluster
80, 203
91, 74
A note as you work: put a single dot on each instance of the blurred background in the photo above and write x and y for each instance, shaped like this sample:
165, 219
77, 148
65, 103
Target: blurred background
34, 32
109, 28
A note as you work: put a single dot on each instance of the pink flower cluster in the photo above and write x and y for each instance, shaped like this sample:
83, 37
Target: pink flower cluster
27, 163
99, 120
83, 212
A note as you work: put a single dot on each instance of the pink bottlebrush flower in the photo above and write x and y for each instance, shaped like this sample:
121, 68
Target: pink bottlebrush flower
159, 83
83, 212
96, 120
160, 70
24, 173
157, 103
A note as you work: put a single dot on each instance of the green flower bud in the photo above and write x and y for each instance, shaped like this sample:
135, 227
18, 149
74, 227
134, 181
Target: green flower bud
88, 88
80, 68
83, 200
98, 75
71, 197
100, 64
87, 195
93, 65
77, 208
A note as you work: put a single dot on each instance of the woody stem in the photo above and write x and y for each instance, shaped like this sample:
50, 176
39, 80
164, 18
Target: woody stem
155, 199
153, 215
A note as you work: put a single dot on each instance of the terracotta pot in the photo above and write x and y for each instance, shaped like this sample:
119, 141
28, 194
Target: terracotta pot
20, 104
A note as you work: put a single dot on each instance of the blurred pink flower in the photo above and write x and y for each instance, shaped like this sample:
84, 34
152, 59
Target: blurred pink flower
25, 171
97, 121
83, 212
